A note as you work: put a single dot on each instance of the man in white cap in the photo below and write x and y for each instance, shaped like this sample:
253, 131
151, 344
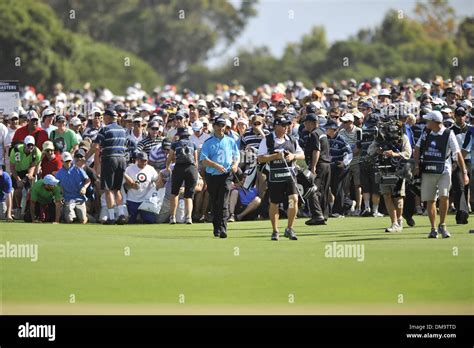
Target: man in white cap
75, 124
353, 136
198, 137
384, 97
433, 153
91, 132
47, 120
45, 201
23, 161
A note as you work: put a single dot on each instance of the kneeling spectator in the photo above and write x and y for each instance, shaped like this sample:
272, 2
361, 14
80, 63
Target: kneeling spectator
73, 182
243, 203
141, 180
45, 201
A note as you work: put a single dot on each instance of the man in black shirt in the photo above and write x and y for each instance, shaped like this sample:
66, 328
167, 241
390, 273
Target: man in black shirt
319, 163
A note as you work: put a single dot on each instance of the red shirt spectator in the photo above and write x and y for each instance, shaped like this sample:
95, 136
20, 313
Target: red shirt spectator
33, 129
51, 164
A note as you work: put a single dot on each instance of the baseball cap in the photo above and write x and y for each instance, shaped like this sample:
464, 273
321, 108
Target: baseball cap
311, 117
446, 110
365, 104
142, 156
138, 119
111, 113
281, 121
166, 144
347, 117
466, 104
32, 115
96, 110
13, 115
197, 125
120, 108
61, 118
146, 107
66, 156
434, 116
48, 145
358, 114
80, 153
182, 131
242, 120
331, 124
220, 121
311, 108
50, 180
384, 92
75, 121
228, 123
448, 122
460, 111
48, 112
153, 124
29, 140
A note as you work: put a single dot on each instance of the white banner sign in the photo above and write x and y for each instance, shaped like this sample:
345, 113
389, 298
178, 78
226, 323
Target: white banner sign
9, 97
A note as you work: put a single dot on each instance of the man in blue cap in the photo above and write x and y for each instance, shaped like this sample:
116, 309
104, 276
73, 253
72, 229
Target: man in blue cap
220, 155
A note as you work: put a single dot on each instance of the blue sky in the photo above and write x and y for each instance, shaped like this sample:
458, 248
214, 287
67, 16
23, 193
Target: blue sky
341, 18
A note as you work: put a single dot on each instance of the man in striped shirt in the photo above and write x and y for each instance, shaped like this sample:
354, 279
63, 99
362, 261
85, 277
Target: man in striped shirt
254, 135
152, 139
341, 156
110, 148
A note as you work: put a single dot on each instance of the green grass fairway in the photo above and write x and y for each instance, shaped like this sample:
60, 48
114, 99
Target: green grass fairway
166, 262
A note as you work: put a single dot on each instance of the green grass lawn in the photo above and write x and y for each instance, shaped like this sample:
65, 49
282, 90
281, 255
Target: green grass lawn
168, 261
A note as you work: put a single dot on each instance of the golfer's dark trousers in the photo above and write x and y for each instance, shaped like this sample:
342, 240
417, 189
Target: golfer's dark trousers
219, 187
459, 189
409, 205
322, 181
335, 183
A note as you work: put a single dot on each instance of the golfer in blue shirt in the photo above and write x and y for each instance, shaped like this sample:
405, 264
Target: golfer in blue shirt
220, 155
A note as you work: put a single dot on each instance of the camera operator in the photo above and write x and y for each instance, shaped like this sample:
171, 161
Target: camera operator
391, 146
433, 154
318, 160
